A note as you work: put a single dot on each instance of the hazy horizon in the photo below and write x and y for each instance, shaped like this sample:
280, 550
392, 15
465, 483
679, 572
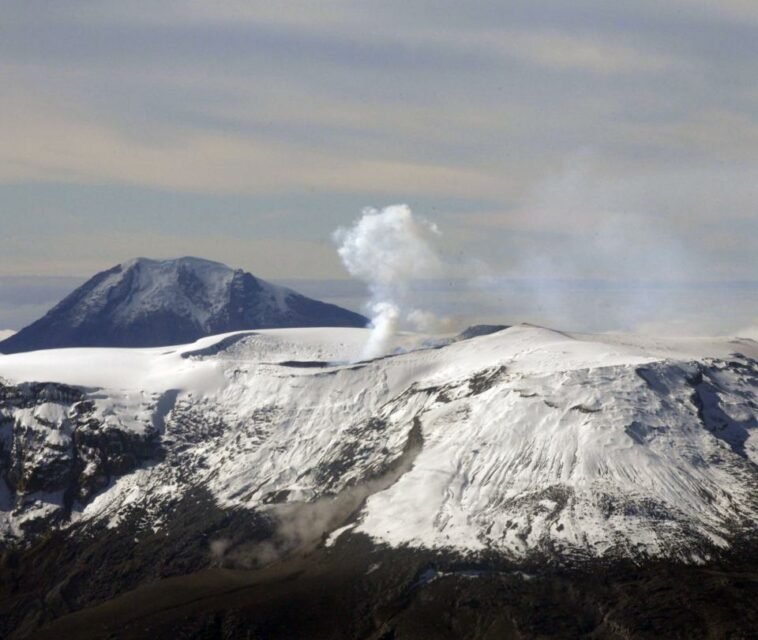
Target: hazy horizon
697, 308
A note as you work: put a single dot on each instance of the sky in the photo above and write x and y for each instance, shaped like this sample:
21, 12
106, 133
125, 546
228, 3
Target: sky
613, 143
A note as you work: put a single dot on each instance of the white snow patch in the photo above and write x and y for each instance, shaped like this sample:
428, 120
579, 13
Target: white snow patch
334, 535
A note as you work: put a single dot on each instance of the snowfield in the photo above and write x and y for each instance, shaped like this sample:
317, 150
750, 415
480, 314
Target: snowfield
532, 441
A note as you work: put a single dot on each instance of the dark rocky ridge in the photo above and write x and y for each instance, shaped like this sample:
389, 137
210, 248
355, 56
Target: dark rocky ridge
477, 330
146, 303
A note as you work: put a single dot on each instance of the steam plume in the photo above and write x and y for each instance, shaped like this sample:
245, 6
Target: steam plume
388, 249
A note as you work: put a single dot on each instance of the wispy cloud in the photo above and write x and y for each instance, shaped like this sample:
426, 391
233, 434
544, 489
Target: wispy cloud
558, 51
306, 112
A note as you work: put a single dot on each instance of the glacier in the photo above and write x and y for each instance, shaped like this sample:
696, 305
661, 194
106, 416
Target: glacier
527, 441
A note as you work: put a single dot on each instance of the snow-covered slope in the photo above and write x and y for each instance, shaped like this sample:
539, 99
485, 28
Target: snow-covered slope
144, 302
523, 441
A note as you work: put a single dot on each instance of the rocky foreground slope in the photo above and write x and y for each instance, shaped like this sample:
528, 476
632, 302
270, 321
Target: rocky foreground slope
527, 447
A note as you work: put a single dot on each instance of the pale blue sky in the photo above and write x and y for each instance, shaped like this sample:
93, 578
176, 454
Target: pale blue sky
583, 139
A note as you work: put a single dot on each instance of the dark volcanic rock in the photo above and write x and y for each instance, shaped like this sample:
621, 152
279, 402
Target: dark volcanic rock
477, 330
357, 590
202, 577
146, 303
67, 570
55, 450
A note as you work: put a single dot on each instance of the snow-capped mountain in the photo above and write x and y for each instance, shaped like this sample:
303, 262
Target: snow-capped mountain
523, 442
144, 302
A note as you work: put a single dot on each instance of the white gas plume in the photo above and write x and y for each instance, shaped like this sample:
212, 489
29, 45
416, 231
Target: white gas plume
388, 249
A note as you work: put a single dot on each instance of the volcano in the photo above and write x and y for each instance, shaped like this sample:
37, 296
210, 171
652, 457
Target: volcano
147, 303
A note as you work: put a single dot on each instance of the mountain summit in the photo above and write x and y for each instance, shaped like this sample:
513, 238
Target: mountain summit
148, 303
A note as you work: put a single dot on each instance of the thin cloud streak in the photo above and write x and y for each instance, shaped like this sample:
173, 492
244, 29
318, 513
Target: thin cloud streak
305, 115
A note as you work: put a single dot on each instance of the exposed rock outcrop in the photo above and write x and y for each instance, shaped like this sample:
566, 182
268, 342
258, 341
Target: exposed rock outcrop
57, 451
